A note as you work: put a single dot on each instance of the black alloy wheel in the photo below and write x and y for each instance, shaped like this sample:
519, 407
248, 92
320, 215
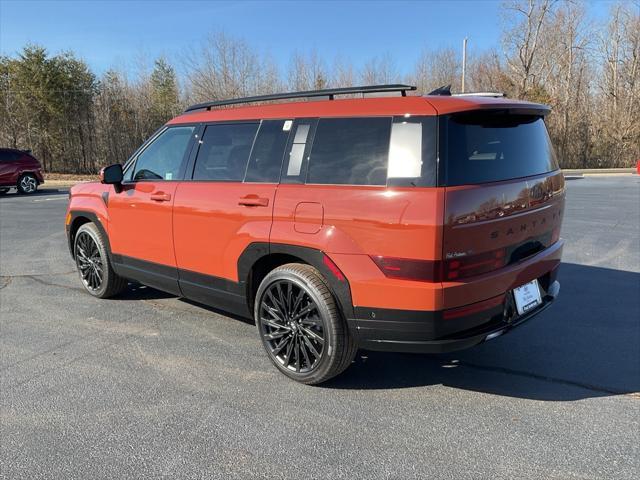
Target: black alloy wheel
301, 326
292, 326
89, 261
94, 264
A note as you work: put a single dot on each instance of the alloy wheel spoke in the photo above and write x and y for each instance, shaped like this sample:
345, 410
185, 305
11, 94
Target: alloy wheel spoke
297, 341
314, 336
281, 299
304, 349
297, 302
276, 335
276, 325
274, 313
287, 356
308, 309
281, 345
312, 321
310, 346
275, 303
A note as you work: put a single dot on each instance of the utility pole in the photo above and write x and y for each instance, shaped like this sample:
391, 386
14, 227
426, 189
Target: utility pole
464, 61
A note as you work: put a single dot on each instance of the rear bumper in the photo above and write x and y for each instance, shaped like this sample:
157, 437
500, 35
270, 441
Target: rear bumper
430, 332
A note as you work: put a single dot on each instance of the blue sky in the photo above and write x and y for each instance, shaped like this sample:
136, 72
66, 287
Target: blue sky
116, 33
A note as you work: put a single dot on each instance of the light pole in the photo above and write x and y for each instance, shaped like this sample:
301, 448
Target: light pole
464, 61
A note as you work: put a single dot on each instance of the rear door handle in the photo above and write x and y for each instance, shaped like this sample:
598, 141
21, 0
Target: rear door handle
161, 197
253, 201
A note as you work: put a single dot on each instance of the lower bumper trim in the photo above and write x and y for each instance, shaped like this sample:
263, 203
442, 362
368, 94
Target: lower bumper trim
410, 341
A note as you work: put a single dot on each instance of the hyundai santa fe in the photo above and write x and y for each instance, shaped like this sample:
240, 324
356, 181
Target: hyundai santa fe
19, 169
389, 222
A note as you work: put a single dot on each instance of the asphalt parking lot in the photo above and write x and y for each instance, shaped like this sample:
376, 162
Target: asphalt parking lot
148, 385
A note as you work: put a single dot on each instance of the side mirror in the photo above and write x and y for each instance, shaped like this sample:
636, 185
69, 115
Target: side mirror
112, 175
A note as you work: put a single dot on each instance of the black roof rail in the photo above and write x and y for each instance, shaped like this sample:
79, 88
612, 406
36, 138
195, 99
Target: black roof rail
329, 92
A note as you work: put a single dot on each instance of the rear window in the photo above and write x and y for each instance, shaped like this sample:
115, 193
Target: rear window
268, 151
489, 147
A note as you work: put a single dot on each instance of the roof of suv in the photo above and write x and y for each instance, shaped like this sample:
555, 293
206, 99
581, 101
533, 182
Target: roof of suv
375, 106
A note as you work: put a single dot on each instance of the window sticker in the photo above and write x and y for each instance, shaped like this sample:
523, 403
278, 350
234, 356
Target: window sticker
295, 159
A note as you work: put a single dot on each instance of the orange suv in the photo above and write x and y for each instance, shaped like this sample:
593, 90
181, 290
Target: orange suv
395, 222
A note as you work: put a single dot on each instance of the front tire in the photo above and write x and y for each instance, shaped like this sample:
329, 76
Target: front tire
27, 184
93, 263
300, 325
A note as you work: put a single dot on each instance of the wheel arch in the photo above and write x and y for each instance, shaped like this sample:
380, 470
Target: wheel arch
79, 218
258, 259
31, 172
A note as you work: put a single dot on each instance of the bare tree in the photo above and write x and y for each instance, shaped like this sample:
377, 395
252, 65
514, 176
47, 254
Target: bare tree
380, 70
619, 85
521, 41
343, 74
486, 73
437, 68
307, 72
226, 67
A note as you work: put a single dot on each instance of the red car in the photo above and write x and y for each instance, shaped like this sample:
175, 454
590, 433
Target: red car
18, 168
406, 223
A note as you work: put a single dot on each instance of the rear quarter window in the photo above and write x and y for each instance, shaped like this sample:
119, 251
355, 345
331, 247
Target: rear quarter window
351, 151
9, 155
483, 147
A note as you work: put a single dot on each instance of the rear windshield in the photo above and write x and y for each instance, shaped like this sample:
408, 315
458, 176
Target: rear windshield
489, 147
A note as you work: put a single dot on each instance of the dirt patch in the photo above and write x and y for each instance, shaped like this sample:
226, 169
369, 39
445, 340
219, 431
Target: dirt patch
69, 177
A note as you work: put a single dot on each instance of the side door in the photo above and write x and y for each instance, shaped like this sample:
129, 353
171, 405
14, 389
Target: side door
140, 215
227, 204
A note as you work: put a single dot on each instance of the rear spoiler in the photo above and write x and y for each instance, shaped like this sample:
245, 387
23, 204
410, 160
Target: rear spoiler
507, 108
516, 107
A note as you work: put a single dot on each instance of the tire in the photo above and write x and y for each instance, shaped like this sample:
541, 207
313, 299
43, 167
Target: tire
94, 265
27, 184
294, 302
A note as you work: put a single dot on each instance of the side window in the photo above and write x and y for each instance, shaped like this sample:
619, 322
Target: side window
8, 156
162, 159
268, 150
412, 152
351, 151
224, 152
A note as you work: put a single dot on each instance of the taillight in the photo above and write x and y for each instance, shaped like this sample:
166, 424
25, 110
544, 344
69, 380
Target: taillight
462, 267
409, 269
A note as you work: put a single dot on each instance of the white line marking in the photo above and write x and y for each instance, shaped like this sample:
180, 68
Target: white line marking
48, 199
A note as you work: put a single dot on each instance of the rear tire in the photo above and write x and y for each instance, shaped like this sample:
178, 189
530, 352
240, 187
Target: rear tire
27, 184
300, 325
93, 263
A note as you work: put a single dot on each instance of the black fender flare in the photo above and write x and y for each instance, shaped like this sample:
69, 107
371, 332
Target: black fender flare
314, 257
75, 214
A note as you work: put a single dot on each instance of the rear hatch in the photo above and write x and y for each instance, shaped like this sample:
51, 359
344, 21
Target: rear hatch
504, 192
